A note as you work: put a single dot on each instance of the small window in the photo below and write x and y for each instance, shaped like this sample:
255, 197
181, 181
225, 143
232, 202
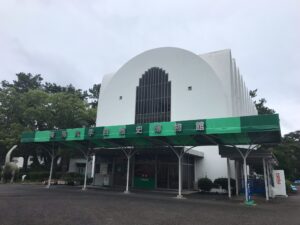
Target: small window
120, 98
189, 88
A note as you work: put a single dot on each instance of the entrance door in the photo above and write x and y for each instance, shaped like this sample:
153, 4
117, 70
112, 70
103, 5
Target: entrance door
173, 176
167, 176
120, 172
144, 176
162, 176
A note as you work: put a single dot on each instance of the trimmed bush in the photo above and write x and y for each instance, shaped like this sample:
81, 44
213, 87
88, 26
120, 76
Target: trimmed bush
205, 184
288, 186
37, 175
223, 183
73, 178
89, 181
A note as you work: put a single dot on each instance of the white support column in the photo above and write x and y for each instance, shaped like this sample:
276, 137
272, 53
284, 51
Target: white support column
179, 178
127, 176
180, 155
128, 153
85, 172
245, 179
236, 178
266, 180
93, 165
132, 171
155, 169
51, 169
228, 178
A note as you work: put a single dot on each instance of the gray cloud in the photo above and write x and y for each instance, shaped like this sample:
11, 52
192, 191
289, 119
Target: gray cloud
76, 42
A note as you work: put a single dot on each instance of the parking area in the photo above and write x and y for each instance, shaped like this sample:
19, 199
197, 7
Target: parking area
34, 204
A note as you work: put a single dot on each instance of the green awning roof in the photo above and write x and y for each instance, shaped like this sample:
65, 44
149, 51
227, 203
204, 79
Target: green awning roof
218, 131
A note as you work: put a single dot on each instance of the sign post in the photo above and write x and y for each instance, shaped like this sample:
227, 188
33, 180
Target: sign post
249, 201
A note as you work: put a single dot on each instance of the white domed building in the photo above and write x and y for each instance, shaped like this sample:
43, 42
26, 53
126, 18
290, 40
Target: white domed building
168, 84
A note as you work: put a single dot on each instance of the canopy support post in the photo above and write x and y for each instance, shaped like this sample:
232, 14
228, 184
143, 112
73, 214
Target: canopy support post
52, 155
266, 180
51, 167
93, 165
85, 172
236, 178
180, 155
245, 178
244, 157
128, 155
179, 177
86, 156
228, 178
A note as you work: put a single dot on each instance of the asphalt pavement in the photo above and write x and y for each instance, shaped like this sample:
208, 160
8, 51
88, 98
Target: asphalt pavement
22, 204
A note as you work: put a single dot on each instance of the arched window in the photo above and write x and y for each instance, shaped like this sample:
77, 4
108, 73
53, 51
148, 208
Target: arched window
153, 97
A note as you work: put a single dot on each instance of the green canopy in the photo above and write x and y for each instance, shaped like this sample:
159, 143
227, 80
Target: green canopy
256, 129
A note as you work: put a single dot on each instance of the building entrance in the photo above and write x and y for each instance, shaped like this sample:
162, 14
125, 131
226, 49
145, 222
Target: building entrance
149, 169
144, 176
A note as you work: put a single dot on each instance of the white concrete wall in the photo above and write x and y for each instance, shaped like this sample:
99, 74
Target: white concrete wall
218, 90
220, 62
212, 165
74, 169
184, 69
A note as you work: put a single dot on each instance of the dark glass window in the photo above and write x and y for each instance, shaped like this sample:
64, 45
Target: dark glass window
153, 97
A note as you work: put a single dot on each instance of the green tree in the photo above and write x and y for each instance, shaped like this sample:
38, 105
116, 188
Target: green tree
288, 155
94, 95
70, 89
288, 151
28, 104
24, 82
69, 111
260, 104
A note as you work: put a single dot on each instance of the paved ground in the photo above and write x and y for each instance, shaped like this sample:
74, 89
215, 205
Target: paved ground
36, 205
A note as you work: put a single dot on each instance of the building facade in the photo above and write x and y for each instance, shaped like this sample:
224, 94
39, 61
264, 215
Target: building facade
169, 84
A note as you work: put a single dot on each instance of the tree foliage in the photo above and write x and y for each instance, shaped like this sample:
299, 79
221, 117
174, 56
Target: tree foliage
29, 104
260, 104
288, 155
288, 151
94, 95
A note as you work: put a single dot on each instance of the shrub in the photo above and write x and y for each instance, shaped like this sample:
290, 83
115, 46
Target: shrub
73, 178
288, 186
58, 175
205, 184
89, 180
37, 175
223, 183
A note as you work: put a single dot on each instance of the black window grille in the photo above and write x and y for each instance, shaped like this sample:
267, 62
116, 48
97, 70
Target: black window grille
153, 97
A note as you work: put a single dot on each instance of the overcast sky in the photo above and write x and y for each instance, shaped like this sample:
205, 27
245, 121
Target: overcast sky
77, 41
